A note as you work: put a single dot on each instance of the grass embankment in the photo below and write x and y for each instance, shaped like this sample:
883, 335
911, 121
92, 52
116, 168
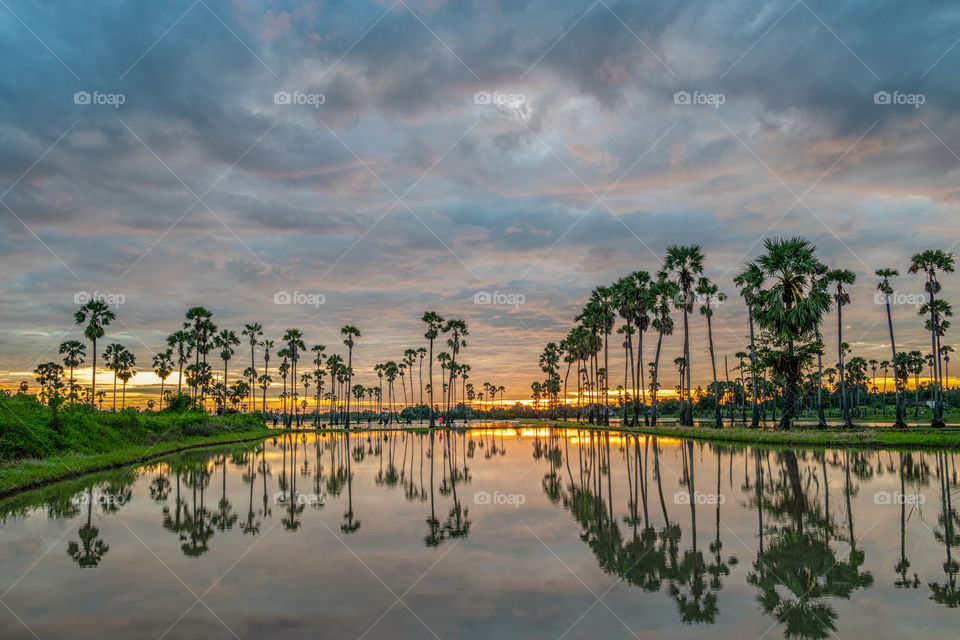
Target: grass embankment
38, 445
888, 437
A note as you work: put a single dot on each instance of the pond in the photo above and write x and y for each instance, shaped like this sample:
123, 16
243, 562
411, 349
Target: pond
493, 532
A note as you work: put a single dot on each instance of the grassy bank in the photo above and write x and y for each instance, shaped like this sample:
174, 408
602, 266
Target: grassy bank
917, 437
39, 445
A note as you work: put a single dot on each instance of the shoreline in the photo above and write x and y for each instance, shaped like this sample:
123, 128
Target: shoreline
24, 475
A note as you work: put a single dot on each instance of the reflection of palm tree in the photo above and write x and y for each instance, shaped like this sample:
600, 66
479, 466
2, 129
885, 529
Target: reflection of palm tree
947, 593
903, 565
224, 518
349, 525
90, 550
799, 569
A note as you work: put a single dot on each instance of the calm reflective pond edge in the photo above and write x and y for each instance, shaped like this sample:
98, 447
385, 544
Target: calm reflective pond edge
489, 533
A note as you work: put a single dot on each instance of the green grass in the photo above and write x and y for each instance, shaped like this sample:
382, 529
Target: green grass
39, 445
917, 437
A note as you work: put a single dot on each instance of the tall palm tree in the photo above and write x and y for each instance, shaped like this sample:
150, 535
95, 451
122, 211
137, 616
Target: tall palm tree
181, 343
684, 264
886, 290
664, 293
97, 315
945, 351
163, 367
266, 345
201, 327
125, 372
113, 354
226, 340
284, 371
421, 354
409, 358
711, 295
457, 330
789, 306
351, 334
749, 280
839, 278
434, 325
73, 352
253, 332
294, 341
930, 262
264, 380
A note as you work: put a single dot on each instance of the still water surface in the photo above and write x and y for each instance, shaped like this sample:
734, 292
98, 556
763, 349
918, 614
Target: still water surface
489, 533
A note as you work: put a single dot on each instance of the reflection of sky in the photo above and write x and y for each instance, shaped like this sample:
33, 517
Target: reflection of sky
495, 198
517, 574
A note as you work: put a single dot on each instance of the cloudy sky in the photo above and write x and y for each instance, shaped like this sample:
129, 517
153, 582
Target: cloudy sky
389, 158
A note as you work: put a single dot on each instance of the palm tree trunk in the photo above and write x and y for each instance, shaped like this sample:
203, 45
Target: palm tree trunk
844, 401
686, 410
654, 383
713, 364
821, 418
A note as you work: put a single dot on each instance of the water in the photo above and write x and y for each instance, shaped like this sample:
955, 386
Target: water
500, 533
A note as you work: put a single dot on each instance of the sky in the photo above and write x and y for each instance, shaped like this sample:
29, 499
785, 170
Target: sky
491, 161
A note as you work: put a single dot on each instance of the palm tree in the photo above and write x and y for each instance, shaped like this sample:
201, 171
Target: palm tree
73, 352
318, 360
180, 341
113, 355
886, 290
305, 379
294, 341
284, 370
253, 332
434, 324
457, 330
202, 329
226, 340
266, 345
945, 351
749, 280
163, 367
351, 334
683, 264
709, 295
264, 381
664, 294
421, 354
839, 278
789, 305
97, 315
334, 364
930, 262
409, 358
125, 372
